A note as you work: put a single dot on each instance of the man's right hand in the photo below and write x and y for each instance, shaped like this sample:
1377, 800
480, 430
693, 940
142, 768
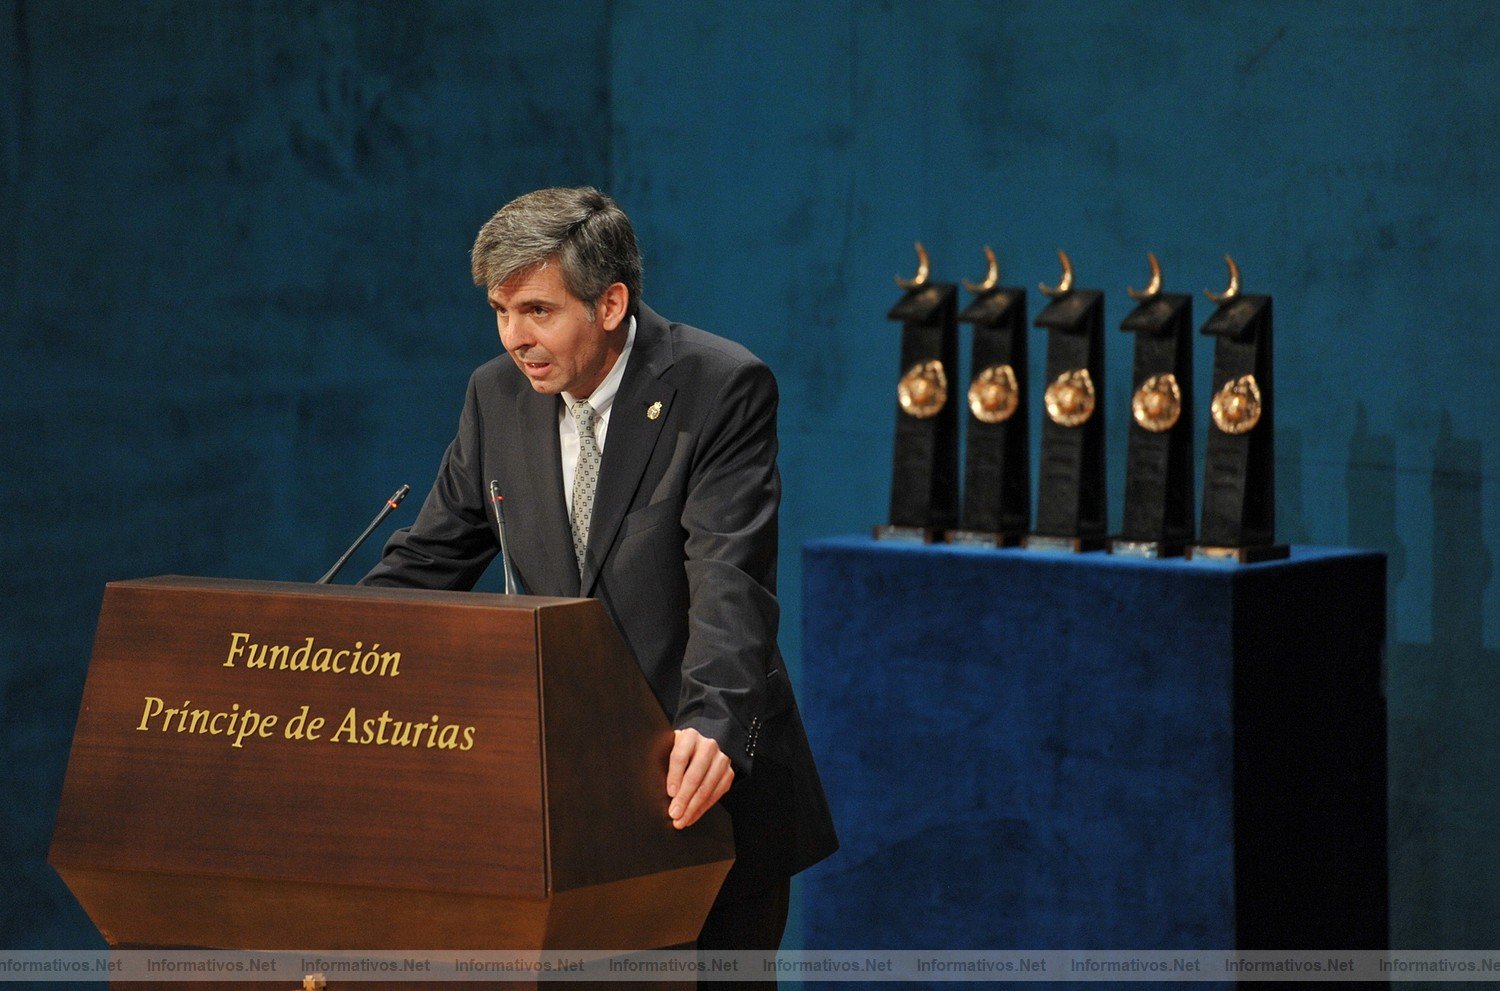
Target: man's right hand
698, 775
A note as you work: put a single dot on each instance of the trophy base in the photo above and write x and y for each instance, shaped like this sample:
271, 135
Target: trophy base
907, 534
1207, 554
983, 538
1147, 548
1061, 545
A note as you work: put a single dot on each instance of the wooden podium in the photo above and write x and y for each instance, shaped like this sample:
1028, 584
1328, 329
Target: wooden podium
488, 773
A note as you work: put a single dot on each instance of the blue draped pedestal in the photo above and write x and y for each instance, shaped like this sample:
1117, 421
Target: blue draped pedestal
1038, 751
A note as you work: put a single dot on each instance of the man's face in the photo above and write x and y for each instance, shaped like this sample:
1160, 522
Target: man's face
550, 335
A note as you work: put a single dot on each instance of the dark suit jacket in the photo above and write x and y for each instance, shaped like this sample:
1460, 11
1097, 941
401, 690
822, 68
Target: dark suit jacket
682, 553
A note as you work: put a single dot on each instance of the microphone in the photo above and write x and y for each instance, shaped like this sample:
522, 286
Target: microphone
386, 510
498, 501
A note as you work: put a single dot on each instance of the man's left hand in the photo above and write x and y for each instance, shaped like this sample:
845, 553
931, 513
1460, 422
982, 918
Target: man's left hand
698, 775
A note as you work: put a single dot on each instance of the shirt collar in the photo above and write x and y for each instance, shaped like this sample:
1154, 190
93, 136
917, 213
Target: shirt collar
604, 395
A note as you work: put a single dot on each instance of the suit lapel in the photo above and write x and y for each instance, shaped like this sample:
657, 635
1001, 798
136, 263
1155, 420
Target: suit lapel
553, 565
632, 436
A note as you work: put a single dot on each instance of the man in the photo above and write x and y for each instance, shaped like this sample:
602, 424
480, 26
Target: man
637, 458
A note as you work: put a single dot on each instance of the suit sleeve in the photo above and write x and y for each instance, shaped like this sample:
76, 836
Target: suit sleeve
451, 542
730, 517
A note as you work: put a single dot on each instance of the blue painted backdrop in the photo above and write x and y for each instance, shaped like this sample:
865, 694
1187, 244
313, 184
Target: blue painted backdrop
235, 312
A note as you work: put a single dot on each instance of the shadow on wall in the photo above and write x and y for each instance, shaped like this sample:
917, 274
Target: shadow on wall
1291, 513
1442, 787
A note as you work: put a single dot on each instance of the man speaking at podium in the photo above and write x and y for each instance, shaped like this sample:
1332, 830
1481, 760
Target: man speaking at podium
637, 461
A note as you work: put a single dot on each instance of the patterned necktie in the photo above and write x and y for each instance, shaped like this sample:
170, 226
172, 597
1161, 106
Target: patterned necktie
585, 479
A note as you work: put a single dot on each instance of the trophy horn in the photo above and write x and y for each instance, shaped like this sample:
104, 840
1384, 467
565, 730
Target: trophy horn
1153, 288
991, 276
924, 271
1065, 284
1231, 293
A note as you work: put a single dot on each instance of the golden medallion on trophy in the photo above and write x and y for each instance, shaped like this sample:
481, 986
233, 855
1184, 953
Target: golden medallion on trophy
1070, 399
923, 390
1236, 407
1157, 404
994, 394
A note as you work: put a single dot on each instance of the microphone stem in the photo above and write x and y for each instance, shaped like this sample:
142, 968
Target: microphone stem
498, 501
388, 509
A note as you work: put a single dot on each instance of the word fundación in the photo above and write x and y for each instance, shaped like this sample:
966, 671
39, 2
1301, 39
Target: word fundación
309, 657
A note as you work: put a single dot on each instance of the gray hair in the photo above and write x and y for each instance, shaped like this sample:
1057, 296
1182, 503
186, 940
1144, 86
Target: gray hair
586, 232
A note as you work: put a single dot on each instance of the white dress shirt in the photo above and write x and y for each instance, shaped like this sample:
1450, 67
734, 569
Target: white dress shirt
602, 400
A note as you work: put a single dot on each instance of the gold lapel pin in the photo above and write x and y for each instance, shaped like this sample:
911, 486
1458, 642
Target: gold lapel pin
653, 411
